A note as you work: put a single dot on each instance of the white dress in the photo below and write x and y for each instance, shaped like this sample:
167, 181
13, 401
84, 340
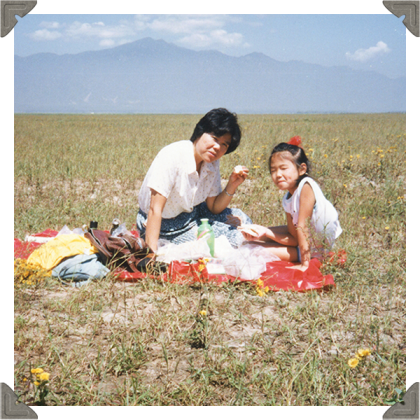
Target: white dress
325, 227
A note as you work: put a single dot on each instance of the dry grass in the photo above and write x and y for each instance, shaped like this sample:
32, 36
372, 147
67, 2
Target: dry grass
112, 343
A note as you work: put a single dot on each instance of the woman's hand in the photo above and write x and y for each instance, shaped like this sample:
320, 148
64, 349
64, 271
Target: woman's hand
237, 177
217, 204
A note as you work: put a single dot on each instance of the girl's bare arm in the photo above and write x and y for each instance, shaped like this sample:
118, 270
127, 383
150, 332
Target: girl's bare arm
277, 234
306, 207
283, 235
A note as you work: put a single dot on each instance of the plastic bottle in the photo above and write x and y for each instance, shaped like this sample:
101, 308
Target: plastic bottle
115, 223
206, 231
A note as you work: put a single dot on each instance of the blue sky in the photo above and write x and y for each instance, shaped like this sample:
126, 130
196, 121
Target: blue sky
367, 42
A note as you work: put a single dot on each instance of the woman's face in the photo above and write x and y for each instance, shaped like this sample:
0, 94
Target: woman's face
209, 148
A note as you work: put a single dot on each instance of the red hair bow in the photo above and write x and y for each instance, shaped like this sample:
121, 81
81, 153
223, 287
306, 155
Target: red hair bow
295, 141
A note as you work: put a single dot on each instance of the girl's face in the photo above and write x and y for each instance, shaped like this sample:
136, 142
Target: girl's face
284, 171
209, 148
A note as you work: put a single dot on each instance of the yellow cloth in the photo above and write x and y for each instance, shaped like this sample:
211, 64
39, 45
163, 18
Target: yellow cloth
50, 254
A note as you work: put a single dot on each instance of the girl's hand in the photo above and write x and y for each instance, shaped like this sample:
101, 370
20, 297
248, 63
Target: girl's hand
259, 233
299, 267
237, 177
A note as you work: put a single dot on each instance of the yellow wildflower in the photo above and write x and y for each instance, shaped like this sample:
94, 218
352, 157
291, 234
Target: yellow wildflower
202, 264
37, 383
37, 370
386, 227
203, 313
261, 290
44, 376
27, 273
363, 352
353, 363
325, 156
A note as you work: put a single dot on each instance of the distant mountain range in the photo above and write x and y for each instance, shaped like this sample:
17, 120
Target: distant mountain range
149, 76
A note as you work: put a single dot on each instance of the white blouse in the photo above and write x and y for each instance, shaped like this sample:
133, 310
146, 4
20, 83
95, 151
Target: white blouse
173, 174
324, 216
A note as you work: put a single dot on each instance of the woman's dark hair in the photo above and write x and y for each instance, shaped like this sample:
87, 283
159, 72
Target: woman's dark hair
298, 157
219, 121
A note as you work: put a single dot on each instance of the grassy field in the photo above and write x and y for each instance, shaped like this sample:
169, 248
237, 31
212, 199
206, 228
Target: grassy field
113, 343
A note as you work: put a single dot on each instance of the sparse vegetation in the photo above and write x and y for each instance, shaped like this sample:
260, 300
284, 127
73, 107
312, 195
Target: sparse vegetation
157, 343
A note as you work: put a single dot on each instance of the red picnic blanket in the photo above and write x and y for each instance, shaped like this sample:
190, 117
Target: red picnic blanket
276, 277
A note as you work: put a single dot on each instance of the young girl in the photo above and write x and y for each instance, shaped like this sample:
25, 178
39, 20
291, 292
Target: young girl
312, 221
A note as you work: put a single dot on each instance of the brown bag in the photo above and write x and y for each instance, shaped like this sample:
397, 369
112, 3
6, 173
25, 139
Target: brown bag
124, 250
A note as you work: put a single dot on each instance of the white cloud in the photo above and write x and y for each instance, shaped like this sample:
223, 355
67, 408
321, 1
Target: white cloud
98, 30
45, 35
182, 24
88, 31
141, 22
50, 25
369, 53
218, 37
107, 43
195, 31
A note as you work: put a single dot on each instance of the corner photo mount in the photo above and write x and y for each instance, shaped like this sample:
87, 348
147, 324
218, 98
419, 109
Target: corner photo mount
10, 408
408, 409
409, 8
8, 11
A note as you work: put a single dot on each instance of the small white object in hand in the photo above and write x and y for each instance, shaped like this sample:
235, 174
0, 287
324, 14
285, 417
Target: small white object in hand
238, 169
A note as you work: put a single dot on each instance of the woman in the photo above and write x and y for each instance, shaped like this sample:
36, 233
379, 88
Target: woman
183, 185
